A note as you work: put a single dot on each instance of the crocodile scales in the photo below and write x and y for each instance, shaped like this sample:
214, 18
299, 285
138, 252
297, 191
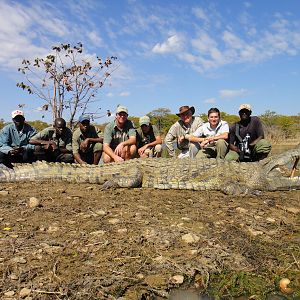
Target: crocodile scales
166, 173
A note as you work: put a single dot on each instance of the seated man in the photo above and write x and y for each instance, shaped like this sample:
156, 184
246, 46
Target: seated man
148, 139
54, 144
14, 141
247, 141
186, 125
86, 143
119, 138
212, 137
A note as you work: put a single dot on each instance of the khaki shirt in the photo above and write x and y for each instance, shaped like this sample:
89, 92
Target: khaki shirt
179, 129
49, 134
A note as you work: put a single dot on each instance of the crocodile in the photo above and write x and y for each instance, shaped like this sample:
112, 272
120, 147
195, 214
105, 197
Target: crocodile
170, 173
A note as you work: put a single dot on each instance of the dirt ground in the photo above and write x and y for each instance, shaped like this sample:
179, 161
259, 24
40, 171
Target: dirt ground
85, 243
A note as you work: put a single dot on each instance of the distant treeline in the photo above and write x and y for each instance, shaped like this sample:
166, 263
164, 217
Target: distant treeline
277, 127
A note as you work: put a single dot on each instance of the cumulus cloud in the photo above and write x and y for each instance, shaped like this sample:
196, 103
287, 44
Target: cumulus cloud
232, 93
173, 44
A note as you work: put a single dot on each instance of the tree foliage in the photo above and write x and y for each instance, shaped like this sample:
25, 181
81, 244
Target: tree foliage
65, 79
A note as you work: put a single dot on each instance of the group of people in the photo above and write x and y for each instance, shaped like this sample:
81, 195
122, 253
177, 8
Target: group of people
244, 141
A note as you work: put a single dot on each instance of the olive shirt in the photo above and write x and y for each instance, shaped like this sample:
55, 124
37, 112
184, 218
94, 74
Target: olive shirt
147, 138
78, 137
113, 135
49, 134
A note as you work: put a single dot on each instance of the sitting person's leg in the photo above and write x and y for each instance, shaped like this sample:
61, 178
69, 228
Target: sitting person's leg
232, 156
262, 149
97, 150
221, 148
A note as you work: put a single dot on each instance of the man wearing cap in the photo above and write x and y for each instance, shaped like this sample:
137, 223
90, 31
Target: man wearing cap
54, 144
86, 143
186, 125
148, 139
246, 142
14, 141
119, 142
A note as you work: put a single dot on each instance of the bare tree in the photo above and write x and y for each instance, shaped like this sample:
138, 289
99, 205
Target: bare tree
65, 80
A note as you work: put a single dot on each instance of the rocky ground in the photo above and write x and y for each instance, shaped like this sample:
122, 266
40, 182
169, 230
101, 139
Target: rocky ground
80, 242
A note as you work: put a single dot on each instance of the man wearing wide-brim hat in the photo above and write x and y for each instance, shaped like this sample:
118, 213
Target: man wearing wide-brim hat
247, 142
186, 125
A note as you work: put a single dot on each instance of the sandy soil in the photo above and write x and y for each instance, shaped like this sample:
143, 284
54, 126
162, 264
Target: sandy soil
85, 243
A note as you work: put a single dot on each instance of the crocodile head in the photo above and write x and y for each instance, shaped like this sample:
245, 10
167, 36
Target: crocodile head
280, 170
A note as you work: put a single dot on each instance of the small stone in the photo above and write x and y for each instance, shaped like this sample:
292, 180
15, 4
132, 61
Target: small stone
241, 210
61, 191
89, 188
113, 221
140, 276
255, 232
13, 276
53, 229
177, 279
9, 293
270, 220
24, 292
98, 232
193, 251
190, 238
2, 259
100, 212
293, 210
4, 193
19, 259
122, 230
14, 236
34, 202
186, 219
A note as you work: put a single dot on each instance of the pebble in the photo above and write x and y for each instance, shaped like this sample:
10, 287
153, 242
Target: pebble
293, 210
9, 293
34, 202
186, 219
177, 279
241, 210
100, 212
53, 229
122, 230
19, 259
113, 221
190, 238
24, 292
4, 193
98, 232
13, 276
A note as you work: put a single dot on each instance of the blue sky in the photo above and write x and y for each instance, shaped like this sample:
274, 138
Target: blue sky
170, 53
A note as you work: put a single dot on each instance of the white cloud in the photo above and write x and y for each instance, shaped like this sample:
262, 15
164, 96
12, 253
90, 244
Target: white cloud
173, 44
232, 93
200, 14
124, 94
95, 38
210, 100
109, 95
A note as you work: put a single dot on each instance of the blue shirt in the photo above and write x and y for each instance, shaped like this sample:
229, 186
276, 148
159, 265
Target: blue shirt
10, 137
